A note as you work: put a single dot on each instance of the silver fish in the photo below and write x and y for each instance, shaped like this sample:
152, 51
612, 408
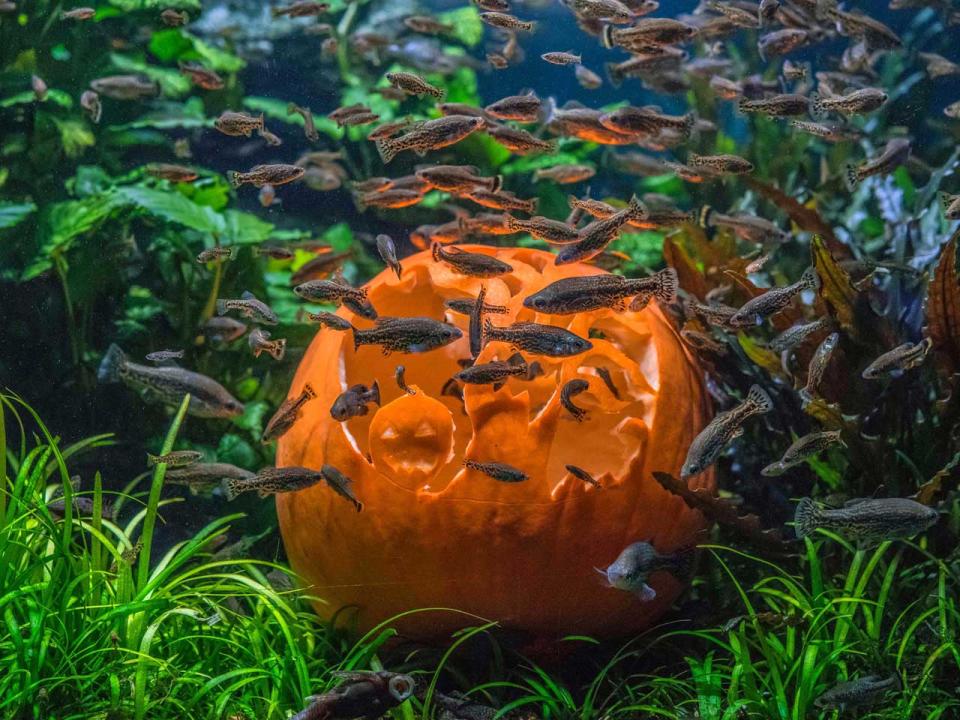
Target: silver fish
713, 439
868, 521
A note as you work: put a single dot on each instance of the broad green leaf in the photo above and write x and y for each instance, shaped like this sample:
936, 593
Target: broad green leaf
14, 213
214, 192
645, 248
166, 115
172, 82
467, 27
57, 97
173, 207
237, 451
253, 416
75, 136
215, 58
340, 236
176, 44
244, 227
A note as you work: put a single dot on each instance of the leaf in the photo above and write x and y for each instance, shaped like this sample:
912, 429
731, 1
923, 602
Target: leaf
172, 82
14, 213
167, 115
644, 248
75, 136
836, 288
943, 305
765, 358
930, 490
467, 27
57, 97
803, 217
244, 227
722, 512
689, 275
235, 450
173, 207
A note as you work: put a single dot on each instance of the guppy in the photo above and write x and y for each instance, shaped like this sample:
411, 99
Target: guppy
638, 561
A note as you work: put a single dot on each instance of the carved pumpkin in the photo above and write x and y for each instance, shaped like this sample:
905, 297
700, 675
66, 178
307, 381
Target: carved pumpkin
433, 534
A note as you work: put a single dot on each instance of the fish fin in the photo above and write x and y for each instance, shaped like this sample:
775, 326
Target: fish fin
816, 106
280, 349
435, 249
613, 75
153, 459
497, 385
231, 488
810, 279
487, 330
386, 149
946, 200
517, 360
291, 108
497, 183
851, 177
636, 305
704, 216
638, 211
222, 308
375, 392
235, 178
111, 364
247, 295
689, 123
742, 106
669, 284
758, 396
606, 36
357, 341
646, 593
309, 391
806, 518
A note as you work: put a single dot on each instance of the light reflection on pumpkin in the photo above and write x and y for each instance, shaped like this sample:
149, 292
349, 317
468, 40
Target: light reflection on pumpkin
433, 534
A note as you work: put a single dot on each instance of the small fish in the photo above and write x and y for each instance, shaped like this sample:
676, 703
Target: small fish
260, 342
818, 365
274, 252
301, 8
604, 375
430, 135
208, 398
581, 474
950, 205
638, 561
407, 334
172, 18
793, 72
797, 334
561, 58
273, 480
782, 42
868, 520
726, 88
218, 254
413, 84
400, 375
466, 306
894, 154
501, 200
173, 173
747, 227
287, 415
261, 175
583, 293
570, 389
161, 356
518, 140
656, 31
80, 13
238, 124
321, 266
505, 21
521, 108
724, 164
537, 339
323, 291
329, 320
786, 105
81, 505
587, 78
612, 11
595, 237
457, 179
493, 5
204, 476
713, 439
863, 691
738, 16
345, 111
353, 401
175, 459
224, 329
758, 309
470, 263
271, 139
565, 174
428, 25
897, 361
494, 373
501, 472
266, 197
857, 102
807, 446
952, 110
392, 198
249, 306
388, 253
90, 102
830, 133
125, 87
939, 66
497, 61
342, 486
202, 77
309, 127
388, 129
543, 228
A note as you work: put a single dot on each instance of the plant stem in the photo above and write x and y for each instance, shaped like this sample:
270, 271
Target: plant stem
3, 466
211, 305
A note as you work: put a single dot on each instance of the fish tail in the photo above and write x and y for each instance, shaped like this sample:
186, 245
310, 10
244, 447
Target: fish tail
689, 123
489, 332
693, 159
851, 177
358, 338
613, 73
236, 178
532, 205
292, 108
496, 182
462, 229
387, 149
742, 106
279, 349
375, 392
638, 211
222, 308
806, 519
668, 283
760, 400
260, 125
810, 280
704, 216
111, 365
606, 35
231, 488
309, 391
511, 222
153, 459
816, 106
518, 361
436, 250
946, 200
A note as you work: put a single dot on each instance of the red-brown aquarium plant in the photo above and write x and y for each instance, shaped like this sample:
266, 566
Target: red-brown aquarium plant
433, 533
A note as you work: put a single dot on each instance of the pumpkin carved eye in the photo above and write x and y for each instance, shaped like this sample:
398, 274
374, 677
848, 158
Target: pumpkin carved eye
434, 535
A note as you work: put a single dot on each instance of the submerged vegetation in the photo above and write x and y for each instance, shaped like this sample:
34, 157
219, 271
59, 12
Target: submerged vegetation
124, 595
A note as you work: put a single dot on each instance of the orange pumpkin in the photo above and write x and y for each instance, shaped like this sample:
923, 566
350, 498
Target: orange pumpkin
433, 534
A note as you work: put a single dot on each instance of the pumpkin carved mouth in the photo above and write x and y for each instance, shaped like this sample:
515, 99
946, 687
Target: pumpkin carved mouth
457, 527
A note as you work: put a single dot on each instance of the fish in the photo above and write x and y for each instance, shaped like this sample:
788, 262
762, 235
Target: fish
758, 309
587, 78
286, 415
267, 197
565, 174
543, 228
595, 237
797, 334
125, 87
714, 438
830, 133
387, 130
785, 105
171, 172
173, 18
469, 263
345, 111
449, 108
858, 102
202, 77
249, 306
400, 375
493, 5
466, 306
238, 124
223, 329
857, 25
90, 103
950, 204
199, 476
353, 401
497, 61
413, 84
726, 88
656, 31
81, 505
638, 561
175, 459
631, 120
939, 66
737, 15
494, 373
793, 72
952, 110
866, 520
428, 25
329, 320
260, 342
747, 227
161, 356
169, 385
392, 198
457, 179
585, 293
341, 485
321, 266
569, 390
301, 8
362, 694
783, 41
518, 140
218, 254
521, 108
273, 480
407, 334
724, 164
894, 154
894, 363
581, 474
852, 694
388, 253
604, 374
501, 472
806, 446
80, 13
430, 135
271, 139
561, 58
309, 127
818, 365
537, 339
612, 11
505, 21
261, 175
501, 200
332, 291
